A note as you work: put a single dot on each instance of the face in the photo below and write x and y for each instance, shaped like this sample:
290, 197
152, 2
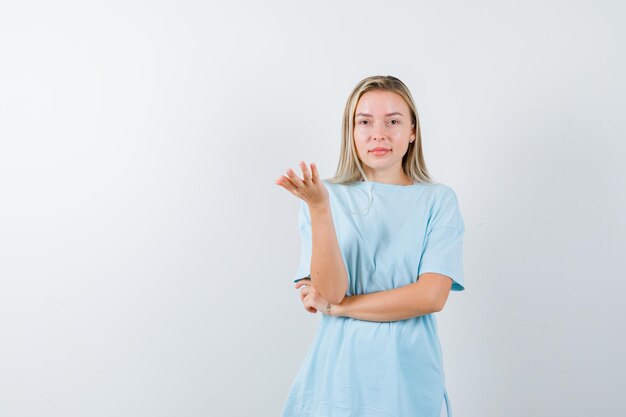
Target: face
382, 120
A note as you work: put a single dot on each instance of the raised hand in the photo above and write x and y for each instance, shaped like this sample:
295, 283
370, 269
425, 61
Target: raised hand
310, 188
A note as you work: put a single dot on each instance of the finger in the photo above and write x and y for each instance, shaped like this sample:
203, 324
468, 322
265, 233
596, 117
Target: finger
294, 178
289, 185
303, 293
315, 175
305, 171
286, 183
304, 281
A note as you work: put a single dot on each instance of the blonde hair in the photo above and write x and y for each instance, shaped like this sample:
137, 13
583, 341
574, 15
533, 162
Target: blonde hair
350, 167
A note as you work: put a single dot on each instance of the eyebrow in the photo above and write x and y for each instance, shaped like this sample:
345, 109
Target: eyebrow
387, 115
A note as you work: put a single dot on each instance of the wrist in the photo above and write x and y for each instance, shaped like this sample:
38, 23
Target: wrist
321, 208
339, 310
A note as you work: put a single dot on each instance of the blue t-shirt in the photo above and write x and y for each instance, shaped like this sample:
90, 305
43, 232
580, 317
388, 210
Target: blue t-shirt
388, 235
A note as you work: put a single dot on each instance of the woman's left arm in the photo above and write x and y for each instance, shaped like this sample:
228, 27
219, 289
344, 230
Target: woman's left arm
427, 295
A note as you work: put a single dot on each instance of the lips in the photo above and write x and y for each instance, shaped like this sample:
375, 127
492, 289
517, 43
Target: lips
380, 151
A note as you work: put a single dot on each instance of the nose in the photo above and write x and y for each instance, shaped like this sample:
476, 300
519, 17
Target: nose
380, 132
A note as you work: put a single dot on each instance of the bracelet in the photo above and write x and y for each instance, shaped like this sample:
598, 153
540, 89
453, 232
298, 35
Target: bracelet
328, 309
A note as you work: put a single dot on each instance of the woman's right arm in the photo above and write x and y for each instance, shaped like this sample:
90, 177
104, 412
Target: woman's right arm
329, 276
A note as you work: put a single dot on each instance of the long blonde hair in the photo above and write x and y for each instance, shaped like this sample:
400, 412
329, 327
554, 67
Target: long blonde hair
350, 167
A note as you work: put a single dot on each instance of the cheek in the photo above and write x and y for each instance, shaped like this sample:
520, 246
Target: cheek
359, 143
361, 149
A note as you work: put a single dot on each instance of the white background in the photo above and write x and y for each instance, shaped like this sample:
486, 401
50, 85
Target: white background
146, 255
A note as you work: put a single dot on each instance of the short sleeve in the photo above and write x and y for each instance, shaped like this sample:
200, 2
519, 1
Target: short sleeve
443, 246
306, 243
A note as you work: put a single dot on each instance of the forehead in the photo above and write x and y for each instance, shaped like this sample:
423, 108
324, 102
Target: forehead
380, 102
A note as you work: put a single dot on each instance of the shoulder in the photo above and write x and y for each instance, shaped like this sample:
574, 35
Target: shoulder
334, 187
441, 187
444, 192
329, 183
446, 210
444, 199
440, 192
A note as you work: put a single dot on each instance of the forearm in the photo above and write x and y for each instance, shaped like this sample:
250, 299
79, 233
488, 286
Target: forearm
328, 272
390, 305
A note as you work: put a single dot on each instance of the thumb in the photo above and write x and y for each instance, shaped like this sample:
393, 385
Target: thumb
301, 283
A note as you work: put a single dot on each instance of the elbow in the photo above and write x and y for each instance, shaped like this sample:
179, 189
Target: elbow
342, 294
334, 298
333, 295
338, 299
438, 304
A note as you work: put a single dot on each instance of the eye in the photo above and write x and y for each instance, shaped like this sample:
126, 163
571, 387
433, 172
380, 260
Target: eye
394, 120
363, 121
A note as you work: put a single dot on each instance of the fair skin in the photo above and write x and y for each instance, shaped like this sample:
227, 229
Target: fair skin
328, 272
382, 120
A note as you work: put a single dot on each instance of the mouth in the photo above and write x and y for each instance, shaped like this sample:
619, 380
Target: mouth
380, 151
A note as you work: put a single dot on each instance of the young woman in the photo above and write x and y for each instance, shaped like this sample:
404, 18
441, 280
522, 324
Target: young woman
381, 250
